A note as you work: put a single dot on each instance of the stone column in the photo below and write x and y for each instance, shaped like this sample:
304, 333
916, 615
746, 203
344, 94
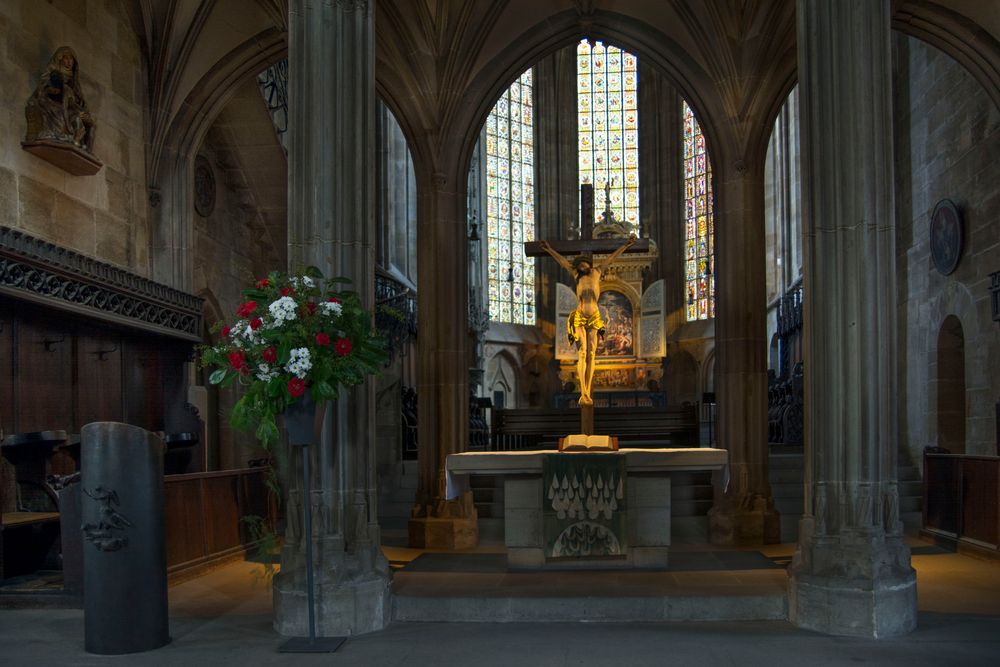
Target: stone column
443, 359
851, 574
744, 513
331, 224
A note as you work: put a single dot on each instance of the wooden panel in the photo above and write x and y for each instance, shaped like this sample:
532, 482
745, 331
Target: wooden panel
8, 494
222, 513
185, 534
143, 387
941, 488
6, 369
99, 377
979, 500
44, 377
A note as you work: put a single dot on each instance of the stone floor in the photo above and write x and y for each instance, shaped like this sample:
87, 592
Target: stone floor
223, 618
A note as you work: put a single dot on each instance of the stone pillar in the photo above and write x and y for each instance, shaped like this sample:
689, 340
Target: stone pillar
443, 358
744, 513
851, 574
331, 224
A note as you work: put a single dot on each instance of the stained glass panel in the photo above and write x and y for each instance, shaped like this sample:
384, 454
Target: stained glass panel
608, 122
511, 204
699, 265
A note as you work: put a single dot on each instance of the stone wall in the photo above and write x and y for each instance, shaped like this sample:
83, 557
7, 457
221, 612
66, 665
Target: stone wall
947, 136
237, 242
103, 215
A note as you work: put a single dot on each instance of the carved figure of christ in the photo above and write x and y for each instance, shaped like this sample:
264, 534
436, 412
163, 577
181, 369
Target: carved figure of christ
585, 326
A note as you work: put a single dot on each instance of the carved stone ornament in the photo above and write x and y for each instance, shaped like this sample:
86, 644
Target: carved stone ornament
947, 237
60, 128
204, 187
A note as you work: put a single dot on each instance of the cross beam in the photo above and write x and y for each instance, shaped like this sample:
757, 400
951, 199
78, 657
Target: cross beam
593, 246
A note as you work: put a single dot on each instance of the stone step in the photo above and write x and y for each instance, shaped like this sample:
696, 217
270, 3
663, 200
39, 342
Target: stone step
489, 510
793, 490
701, 492
491, 529
537, 607
784, 475
911, 504
394, 509
685, 508
689, 529
785, 463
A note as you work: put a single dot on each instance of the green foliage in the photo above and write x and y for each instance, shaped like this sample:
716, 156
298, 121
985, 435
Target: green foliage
292, 330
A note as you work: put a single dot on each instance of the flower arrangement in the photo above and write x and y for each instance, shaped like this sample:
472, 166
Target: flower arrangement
293, 334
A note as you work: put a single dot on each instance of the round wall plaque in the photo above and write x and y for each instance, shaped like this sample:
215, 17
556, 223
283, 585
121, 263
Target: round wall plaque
204, 187
946, 237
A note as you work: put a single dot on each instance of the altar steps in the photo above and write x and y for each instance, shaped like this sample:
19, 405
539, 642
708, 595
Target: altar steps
699, 585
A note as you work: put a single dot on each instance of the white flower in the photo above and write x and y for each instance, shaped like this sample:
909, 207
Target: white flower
265, 373
331, 308
299, 362
304, 280
282, 309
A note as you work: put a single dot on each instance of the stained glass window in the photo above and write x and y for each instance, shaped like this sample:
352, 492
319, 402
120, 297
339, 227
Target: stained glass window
699, 221
510, 201
608, 127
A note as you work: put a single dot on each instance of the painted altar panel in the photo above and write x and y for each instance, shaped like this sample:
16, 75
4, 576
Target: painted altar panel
616, 311
653, 338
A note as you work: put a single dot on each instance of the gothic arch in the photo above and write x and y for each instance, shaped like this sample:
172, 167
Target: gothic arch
959, 36
955, 301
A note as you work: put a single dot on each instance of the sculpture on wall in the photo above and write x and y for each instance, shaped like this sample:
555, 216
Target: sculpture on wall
57, 110
60, 126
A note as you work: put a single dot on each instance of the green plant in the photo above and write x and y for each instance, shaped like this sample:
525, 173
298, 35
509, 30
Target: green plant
293, 334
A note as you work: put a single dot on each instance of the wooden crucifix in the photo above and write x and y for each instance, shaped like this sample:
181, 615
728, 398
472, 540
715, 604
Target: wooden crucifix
585, 326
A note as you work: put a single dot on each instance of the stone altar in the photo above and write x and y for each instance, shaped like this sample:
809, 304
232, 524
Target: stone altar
647, 501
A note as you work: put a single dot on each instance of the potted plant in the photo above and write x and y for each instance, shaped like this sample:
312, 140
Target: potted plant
294, 336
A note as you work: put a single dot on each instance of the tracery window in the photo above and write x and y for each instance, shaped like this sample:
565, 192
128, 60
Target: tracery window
608, 127
699, 222
510, 196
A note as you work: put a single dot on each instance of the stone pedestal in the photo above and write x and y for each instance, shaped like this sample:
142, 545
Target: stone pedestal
738, 526
444, 532
851, 574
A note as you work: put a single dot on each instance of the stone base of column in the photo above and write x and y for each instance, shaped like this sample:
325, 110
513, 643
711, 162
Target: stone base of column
855, 588
342, 608
734, 526
443, 533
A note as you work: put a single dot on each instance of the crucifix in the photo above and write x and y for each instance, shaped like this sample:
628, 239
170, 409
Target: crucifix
584, 326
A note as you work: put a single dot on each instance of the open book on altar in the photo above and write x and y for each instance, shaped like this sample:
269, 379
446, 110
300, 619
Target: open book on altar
588, 443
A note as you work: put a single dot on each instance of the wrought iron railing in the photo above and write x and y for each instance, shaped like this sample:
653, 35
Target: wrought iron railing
395, 314
273, 84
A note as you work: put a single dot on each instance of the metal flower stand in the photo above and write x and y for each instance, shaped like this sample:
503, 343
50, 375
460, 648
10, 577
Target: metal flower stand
303, 422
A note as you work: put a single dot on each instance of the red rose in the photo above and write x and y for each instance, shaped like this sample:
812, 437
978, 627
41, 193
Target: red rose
262, 283
287, 291
296, 387
270, 355
237, 360
255, 323
311, 308
333, 299
245, 309
342, 346
322, 339
226, 330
